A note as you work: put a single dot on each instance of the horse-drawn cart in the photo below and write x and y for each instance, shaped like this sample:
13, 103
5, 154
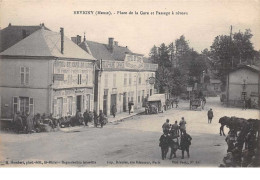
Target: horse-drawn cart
195, 104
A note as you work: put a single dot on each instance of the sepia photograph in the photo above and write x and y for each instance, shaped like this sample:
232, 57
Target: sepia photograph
129, 83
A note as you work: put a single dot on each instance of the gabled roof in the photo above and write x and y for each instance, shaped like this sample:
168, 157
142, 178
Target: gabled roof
101, 51
119, 52
250, 67
13, 34
98, 50
46, 43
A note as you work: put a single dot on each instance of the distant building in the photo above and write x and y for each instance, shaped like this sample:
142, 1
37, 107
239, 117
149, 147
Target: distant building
123, 76
213, 88
243, 83
46, 73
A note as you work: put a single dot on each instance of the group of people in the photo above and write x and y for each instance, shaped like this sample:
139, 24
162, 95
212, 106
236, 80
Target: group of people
170, 103
27, 123
174, 137
88, 116
248, 103
100, 119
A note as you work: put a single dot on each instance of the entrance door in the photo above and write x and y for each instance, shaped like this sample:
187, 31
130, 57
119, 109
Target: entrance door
105, 104
79, 103
112, 102
124, 102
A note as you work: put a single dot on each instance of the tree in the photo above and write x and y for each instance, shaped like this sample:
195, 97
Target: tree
154, 54
228, 52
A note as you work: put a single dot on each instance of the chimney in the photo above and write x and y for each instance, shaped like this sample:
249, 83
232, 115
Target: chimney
78, 39
84, 37
9, 24
62, 40
116, 43
24, 33
74, 39
110, 44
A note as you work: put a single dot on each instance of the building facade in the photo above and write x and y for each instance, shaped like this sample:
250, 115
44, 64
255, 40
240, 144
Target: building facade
243, 83
46, 73
123, 76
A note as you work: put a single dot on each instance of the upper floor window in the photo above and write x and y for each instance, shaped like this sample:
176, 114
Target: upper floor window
106, 80
114, 80
25, 73
87, 78
79, 78
130, 79
125, 79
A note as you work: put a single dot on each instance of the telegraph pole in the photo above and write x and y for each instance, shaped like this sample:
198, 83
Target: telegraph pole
228, 68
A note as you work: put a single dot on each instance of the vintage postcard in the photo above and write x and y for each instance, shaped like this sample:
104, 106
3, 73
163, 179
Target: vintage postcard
112, 83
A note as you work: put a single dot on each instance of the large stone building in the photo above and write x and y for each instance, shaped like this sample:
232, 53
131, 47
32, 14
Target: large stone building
46, 72
123, 76
243, 83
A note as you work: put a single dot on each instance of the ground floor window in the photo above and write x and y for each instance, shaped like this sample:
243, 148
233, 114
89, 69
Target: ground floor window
70, 102
23, 104
59, 106
139, 96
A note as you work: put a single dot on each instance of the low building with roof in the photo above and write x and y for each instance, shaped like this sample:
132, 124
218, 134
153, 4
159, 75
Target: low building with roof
243, 84
123, 76
46, 72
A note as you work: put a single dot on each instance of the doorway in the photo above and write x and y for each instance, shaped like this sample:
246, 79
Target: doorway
112, 102
124, 101
105, 105
79, 98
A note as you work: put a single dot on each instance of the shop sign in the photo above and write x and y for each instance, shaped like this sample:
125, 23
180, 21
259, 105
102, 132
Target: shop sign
189, 88
58, 77
133, 62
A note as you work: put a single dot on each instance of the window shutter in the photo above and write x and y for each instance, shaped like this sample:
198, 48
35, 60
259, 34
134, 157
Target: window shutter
74, 106
27, 75
91, 101
15, 105
31, 106
22, 75
55, 107
65, 107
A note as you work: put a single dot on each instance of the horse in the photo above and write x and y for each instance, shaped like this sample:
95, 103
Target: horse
233, 123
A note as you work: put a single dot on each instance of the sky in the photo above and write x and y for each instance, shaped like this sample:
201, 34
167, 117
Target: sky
202, 21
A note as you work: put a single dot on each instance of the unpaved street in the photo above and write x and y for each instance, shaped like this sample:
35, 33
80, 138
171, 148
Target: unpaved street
132, 142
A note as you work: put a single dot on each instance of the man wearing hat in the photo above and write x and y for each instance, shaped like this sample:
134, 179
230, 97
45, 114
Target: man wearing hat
185, 144
210, 116
182, 125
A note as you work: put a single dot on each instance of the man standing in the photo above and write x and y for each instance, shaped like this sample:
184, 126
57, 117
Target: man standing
182, 125
166, 126
175, 128
185, 144
210, 116
86, 117
129, 107
164, 144
101, 118
114, 110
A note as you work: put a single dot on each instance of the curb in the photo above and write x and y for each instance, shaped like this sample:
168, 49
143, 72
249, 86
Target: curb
120, 120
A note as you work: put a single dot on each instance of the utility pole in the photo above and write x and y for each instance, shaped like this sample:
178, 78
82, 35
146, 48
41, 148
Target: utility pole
228, 68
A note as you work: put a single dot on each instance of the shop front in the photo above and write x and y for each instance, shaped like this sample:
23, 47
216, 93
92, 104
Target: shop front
67, 102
